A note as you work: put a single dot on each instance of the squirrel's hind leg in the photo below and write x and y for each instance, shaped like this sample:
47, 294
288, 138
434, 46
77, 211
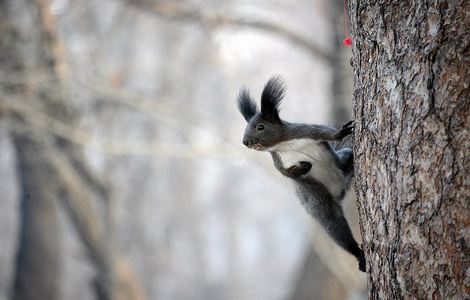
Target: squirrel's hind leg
346, 159
329, 214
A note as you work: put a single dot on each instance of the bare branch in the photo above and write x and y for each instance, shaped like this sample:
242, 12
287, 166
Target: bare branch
78, 200
48, 124
175, 12
54, 43
46, 153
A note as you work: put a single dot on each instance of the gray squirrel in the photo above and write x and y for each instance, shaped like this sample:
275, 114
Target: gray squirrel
303, 153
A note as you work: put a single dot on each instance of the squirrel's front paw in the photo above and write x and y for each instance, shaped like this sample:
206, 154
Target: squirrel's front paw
347, 129
301, 169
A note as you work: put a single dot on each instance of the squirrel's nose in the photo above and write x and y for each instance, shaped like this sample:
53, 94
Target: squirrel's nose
245, 142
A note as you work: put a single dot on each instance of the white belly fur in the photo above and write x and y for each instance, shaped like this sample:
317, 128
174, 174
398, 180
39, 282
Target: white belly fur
324, 168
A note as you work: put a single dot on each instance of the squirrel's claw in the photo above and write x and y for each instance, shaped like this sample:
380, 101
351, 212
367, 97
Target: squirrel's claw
349, 124
347, 129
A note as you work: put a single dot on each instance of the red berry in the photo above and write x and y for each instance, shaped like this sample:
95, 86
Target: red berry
347, 42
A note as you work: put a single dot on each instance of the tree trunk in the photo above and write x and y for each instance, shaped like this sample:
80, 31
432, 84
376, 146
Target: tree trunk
37, 261
411, 63
51, 169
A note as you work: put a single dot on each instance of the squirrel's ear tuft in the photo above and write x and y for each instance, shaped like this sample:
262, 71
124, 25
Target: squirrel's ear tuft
246, 104
271, 98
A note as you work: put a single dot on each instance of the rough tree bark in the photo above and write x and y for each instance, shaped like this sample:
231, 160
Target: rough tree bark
411, 63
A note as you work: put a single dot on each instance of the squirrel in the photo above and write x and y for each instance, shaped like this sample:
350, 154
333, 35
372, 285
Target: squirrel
303, 153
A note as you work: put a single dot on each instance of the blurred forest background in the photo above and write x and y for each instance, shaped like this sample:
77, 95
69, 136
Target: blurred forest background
122, 171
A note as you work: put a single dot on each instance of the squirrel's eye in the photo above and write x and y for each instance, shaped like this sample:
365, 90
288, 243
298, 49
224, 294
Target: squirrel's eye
259, 127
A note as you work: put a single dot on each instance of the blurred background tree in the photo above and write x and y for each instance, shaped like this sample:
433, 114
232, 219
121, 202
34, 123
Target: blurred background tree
123, 173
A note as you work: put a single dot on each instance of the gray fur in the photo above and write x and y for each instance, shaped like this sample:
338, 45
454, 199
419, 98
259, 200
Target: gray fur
321, 175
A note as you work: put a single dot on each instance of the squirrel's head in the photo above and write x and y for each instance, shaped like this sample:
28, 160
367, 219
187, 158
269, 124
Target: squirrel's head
264, 129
